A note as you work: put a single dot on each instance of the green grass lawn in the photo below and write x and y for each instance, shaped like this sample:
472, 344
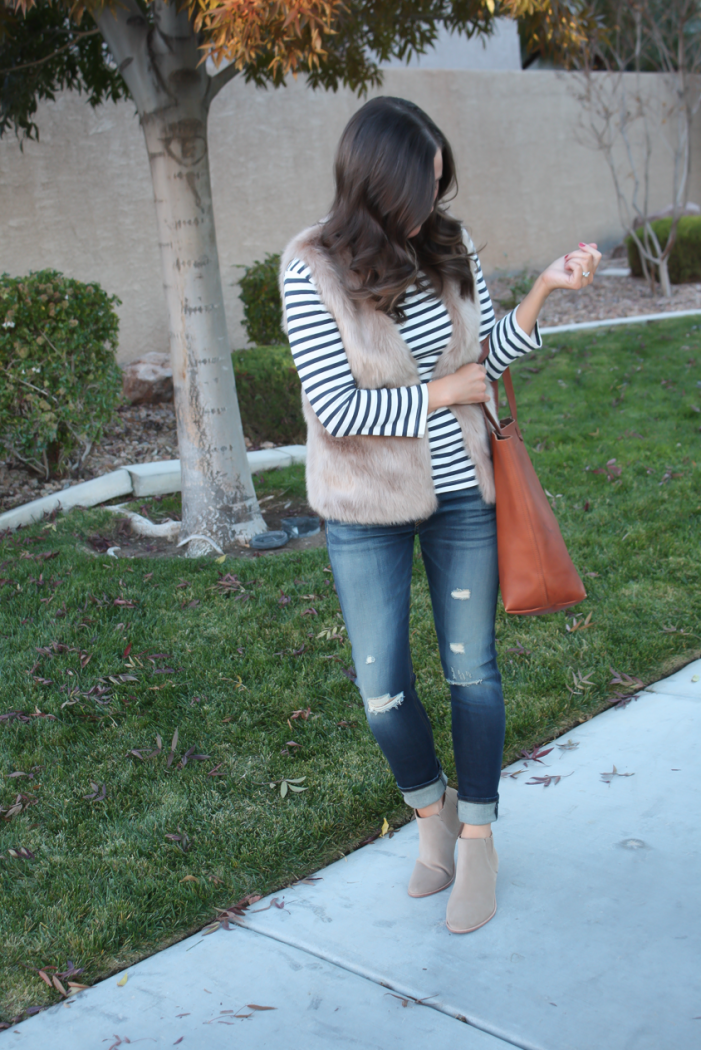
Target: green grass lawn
120, 653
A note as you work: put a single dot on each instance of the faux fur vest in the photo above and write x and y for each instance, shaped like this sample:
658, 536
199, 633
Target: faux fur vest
383, 480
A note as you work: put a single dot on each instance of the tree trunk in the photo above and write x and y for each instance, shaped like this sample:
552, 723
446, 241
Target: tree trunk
665, 283
172, 92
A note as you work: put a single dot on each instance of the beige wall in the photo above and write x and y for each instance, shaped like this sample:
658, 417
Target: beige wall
80, 200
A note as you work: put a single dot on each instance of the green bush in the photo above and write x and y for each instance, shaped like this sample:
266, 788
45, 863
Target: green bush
269, 395
685, 257
60, 381
262, 309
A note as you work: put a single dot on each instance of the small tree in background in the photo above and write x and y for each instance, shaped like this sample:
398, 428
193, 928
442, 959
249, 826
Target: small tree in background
630, 122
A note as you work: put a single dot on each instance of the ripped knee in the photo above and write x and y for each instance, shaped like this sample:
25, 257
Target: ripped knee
458, 677
378, 704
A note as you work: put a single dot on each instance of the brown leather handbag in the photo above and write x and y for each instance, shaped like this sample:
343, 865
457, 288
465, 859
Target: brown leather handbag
536, 574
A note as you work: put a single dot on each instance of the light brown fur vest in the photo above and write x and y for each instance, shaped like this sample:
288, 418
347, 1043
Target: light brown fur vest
383, 480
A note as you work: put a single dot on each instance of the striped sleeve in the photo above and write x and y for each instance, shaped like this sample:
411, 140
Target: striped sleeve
507, 341
324, 371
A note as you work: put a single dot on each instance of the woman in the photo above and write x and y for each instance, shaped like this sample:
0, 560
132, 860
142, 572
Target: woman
388, 318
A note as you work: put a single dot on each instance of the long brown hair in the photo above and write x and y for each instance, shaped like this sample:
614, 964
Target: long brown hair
384, 190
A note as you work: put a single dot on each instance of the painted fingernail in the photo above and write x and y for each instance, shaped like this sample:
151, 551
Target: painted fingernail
582, 245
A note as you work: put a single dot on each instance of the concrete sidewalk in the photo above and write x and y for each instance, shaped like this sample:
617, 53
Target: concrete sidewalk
596, 944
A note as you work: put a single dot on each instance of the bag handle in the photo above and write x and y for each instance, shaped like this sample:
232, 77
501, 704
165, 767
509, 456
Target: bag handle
510, 394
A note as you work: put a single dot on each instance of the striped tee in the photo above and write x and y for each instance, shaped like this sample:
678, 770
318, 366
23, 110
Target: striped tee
344, 409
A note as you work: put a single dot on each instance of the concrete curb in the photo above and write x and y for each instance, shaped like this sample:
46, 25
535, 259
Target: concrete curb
141, 479
637, 319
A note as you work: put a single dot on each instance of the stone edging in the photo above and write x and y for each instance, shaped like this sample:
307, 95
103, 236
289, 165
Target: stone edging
142, 479
637, 319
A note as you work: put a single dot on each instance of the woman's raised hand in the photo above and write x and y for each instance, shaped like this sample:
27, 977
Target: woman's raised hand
574, 271
467, 386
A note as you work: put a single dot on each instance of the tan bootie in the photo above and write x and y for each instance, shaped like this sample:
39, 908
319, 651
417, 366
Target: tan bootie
473, 901
435, 868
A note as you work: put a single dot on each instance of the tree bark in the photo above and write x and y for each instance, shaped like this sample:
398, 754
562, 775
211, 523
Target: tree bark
172, 91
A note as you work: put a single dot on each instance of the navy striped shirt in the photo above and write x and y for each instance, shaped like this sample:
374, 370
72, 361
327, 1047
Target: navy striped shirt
344, 409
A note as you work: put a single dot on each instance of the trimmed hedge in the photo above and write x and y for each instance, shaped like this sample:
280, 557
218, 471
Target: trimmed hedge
60, 380
262, 308
269, 394
685, 257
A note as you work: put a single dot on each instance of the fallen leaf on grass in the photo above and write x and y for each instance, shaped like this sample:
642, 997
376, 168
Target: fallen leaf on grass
519, 650
98, 794
608, 777
181, 838
578, 625
624, 679
21, 853
171, 753
190, 878
228, 583
45, 978
58, 986
159, 748
24, 716
214, 772
302, 713
122, 980
288, 784
581, 682
190, 755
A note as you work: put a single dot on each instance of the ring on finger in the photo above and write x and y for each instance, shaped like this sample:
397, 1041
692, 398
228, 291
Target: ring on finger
586, 273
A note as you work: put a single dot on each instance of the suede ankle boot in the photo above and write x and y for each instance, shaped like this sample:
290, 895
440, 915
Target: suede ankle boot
473, 901
435, 868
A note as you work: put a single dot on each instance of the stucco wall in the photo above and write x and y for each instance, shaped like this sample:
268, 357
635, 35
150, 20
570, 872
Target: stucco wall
80, 200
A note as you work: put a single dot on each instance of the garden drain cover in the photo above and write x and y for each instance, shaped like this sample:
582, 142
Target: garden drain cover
266, 541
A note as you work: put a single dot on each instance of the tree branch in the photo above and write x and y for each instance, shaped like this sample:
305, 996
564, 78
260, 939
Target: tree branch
221, 79
47, 58
125, 30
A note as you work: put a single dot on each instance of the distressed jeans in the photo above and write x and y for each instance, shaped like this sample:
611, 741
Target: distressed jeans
372, 567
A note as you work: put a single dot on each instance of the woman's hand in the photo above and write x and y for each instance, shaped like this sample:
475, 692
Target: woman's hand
574, 271
467, 386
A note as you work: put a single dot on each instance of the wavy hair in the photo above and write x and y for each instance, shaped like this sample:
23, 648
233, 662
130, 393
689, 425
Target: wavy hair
384, 189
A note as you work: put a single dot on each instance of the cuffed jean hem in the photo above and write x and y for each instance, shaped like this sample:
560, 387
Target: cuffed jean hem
425, 796
477, 812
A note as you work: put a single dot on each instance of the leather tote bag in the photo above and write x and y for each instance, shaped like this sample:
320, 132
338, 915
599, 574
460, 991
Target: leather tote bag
536, 574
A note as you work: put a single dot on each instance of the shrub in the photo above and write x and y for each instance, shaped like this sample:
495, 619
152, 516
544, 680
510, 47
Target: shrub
684, 259
269, 396
60, 381
262, 309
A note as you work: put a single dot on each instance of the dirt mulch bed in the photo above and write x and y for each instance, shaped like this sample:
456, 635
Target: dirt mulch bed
274, 508
143, 433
